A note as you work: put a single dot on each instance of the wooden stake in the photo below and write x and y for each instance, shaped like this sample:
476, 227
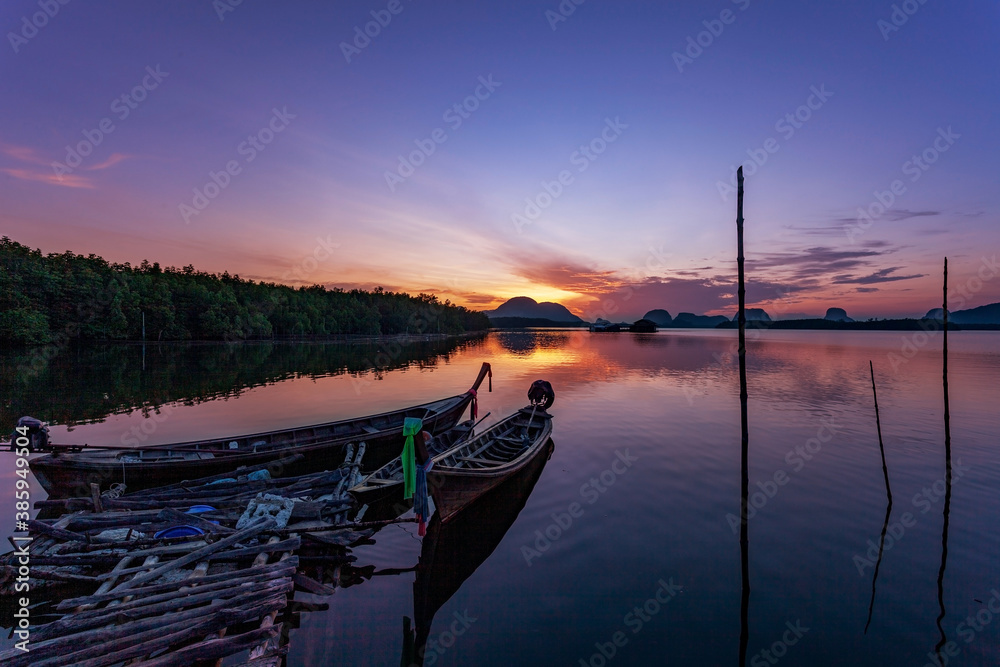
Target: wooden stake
888, 507
95, 494
878, 427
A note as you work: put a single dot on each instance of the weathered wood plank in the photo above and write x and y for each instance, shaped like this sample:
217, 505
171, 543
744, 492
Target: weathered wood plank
248, 532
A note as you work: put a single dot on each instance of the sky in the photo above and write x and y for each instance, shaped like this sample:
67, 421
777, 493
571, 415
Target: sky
581, 151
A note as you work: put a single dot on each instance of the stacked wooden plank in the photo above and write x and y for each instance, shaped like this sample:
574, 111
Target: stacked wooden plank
158, 600
157, 605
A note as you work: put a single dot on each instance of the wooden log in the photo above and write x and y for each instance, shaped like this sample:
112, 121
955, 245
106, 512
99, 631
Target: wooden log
43, 528
62, 576
344, 537
101, 655
273, 658
267, 571
135, 620
141, 607
245, 534
110, 520
106, 586
235, 554
265, 646
310, 585
211, 649
141, 543
90, 559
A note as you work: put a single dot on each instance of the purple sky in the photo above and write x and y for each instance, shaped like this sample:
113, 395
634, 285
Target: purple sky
615, 123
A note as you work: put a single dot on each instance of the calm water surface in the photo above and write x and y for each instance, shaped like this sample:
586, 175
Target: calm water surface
668, 403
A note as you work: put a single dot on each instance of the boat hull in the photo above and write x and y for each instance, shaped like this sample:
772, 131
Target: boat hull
455, 489
71, 474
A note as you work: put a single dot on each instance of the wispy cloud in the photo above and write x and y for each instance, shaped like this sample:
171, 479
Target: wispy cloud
893, 214
23, 154
66, 180
112, 160
27, 155
564, 273
880, 276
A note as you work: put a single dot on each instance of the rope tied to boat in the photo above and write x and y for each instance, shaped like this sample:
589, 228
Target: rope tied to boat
411, 426
421, 502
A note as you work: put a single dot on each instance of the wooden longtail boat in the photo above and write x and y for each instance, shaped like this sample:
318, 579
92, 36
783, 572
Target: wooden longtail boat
475, 467
453, 551
70, 470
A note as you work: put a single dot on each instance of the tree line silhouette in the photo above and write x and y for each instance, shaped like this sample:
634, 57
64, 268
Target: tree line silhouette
66, 296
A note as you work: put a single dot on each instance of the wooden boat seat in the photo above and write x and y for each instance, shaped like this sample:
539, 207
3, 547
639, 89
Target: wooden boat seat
514, 441
368, 429
471, 459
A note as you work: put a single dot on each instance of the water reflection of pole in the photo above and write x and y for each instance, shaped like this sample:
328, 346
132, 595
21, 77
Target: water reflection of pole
947, 476
745, 468
888, 493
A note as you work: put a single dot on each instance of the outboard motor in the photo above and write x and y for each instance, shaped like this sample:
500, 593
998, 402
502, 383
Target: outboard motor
37, 434
541, 395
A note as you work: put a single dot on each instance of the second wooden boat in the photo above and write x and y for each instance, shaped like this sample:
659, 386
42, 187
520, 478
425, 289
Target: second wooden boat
473, 468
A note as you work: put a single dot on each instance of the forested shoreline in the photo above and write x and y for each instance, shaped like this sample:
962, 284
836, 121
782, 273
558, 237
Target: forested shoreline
65, 296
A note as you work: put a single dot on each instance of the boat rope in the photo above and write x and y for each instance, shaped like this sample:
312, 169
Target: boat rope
411, 426
421, 504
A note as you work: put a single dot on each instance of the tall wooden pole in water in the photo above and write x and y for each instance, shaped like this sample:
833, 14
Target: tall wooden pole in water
745, 468
944, 374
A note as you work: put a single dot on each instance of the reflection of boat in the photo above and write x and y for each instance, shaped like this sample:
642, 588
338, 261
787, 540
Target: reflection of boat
466, 472
71, 471
452, 551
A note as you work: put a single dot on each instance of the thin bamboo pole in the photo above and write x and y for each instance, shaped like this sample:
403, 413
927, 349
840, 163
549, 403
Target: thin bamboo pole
878, 427
888, 507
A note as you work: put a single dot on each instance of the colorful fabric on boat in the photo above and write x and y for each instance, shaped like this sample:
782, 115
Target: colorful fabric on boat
421, 504
474, 408
411, 426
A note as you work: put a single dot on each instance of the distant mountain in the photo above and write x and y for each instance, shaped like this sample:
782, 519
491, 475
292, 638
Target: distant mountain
690, 320
523, 306
837, 315
754, 315
659, 317
989, 314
